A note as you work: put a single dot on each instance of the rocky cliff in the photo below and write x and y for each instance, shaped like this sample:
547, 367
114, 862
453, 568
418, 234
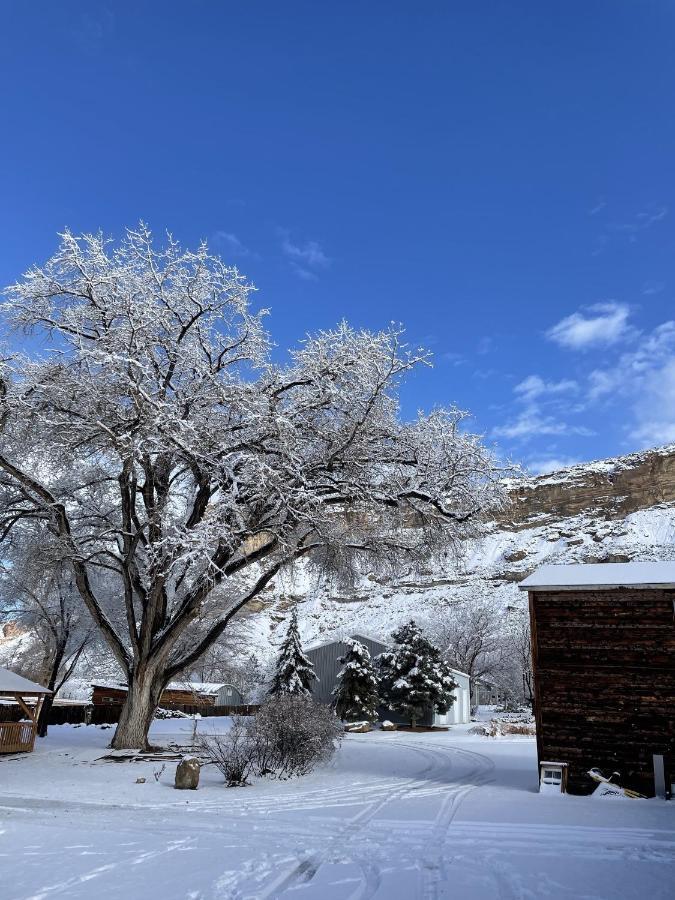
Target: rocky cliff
610, 489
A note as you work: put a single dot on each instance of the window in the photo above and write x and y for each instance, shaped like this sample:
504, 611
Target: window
552, 776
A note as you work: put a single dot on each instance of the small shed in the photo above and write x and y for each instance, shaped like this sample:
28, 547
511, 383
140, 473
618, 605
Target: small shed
603, 655
460, 711
18, 737
229, 695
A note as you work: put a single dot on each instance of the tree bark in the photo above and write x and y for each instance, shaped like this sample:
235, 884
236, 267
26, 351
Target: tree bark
137, 713
48, 700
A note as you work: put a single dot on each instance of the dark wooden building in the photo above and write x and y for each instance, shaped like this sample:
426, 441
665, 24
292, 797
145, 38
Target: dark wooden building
175, 693
603, 651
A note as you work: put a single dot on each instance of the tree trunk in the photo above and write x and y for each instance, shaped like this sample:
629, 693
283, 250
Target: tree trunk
48, 700
137, 713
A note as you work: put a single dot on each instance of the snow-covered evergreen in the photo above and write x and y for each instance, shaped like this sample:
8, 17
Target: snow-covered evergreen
356, 694
294, 672
413, 676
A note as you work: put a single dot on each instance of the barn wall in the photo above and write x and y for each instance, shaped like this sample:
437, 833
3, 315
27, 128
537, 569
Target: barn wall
326, 665
604, 665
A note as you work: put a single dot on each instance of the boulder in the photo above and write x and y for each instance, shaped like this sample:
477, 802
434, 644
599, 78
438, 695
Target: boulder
388, 726
359, 727
187, 774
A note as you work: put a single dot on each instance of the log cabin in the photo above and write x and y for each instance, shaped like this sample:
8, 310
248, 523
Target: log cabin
603, 655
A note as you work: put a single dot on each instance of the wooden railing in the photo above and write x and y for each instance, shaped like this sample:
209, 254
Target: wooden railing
16, 737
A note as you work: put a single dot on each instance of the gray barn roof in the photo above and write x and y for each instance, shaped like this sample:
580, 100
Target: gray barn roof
601, 576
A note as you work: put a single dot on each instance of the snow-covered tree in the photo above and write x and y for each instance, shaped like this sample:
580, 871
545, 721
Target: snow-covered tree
294, 672
413, 675
155, 438
356, 695
37, 589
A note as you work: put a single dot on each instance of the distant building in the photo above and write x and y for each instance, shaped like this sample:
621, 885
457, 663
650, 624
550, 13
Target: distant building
603, 654
325, 659
175, 693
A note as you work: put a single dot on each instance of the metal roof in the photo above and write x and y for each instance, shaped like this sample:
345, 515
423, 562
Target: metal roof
599, 576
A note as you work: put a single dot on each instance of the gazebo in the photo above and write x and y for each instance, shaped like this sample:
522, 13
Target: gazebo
17, 737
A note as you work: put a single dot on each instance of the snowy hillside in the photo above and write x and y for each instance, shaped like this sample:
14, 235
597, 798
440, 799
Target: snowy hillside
621, 509
608, 511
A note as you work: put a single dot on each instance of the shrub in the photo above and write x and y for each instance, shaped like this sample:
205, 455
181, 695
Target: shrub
234, 753
294, 734
289, 736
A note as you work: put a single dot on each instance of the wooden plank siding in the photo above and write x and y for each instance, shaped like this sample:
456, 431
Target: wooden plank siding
101, 696
604, 673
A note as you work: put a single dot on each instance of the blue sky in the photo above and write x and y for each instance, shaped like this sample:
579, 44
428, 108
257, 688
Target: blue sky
496, 176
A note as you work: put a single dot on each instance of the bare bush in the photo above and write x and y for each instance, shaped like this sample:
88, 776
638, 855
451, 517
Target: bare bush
234, 753
288, 737
294, 735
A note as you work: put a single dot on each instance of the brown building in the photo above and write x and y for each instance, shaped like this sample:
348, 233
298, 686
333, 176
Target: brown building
179, 693
603, 652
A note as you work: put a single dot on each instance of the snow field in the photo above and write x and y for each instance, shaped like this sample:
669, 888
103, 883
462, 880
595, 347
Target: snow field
395, 816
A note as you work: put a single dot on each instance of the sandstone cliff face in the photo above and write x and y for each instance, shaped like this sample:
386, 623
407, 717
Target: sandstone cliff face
611, 489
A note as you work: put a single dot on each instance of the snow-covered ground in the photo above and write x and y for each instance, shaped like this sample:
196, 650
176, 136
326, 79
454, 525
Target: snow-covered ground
396, 816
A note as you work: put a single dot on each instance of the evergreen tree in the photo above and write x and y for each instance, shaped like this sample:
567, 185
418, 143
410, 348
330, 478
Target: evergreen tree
413, 675
356, 694
294, 673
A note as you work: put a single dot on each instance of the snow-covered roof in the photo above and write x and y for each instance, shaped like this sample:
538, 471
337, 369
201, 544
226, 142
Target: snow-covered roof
597, 576
197, 687
341, 640
463, 674
11, 683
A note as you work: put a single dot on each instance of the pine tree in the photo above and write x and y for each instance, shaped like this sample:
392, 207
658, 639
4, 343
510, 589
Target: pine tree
356, 694
294, 673
413, 675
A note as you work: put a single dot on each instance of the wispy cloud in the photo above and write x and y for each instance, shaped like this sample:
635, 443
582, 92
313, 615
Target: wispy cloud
641, 222
231, 243
534, 386
643, 380
307, 258
597, 208
531, 422
628, 229
653, 287
599, 325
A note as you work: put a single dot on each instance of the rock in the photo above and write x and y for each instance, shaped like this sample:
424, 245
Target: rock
388, 726
515, 556
187, 774
359, 727
140, 781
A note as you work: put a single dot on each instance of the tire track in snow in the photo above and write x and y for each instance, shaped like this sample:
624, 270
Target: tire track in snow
440, 764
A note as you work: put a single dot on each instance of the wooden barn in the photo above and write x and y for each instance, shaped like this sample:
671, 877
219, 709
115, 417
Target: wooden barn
603, 651
325, 659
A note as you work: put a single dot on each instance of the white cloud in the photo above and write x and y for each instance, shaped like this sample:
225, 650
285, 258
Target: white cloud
600, 324
644, 381
306, 259
232, 243
535, 386
531, 422
551, 464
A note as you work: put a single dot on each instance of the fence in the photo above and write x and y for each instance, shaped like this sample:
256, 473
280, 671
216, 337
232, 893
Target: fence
109, 713
16, 737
